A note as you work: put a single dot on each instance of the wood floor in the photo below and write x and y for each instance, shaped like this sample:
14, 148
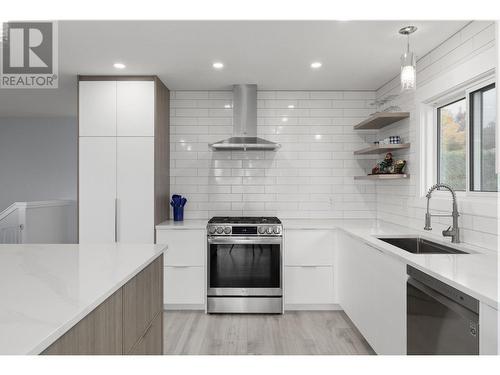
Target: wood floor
296, 332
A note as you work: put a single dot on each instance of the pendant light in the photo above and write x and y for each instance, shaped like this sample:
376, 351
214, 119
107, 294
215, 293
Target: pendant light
408, 63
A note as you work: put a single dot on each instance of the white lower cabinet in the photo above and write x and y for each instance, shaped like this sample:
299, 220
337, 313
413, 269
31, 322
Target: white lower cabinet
309, 247
308, 272
308, 285
184, 287
184, 273
372, 292
186, 247
488, 330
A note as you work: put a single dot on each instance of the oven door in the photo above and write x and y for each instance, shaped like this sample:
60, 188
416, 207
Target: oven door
244, 266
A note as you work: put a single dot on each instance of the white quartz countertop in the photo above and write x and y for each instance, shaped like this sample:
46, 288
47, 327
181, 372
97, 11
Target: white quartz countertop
475, 273
46, 289
186, 224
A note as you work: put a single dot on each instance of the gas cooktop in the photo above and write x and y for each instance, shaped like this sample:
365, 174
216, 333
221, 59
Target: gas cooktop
244, 220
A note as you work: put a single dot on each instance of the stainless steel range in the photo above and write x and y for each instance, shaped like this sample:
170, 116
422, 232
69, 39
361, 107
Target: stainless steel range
244, 265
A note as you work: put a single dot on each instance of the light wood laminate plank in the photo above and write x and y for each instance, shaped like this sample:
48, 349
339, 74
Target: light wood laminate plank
298, 332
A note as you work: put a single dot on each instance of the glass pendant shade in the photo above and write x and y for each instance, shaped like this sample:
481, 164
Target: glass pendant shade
408, 71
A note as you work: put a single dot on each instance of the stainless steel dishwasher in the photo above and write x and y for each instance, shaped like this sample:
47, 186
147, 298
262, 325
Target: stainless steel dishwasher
440, 318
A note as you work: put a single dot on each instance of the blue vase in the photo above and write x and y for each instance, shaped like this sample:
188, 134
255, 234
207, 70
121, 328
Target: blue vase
178, 213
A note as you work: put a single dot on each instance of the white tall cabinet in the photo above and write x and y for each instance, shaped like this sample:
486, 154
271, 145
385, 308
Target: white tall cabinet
123, 182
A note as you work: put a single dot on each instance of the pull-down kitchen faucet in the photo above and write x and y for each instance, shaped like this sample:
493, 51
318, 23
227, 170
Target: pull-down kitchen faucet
452, 231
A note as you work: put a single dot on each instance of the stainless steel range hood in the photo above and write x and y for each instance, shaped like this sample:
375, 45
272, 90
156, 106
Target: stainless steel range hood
245, 123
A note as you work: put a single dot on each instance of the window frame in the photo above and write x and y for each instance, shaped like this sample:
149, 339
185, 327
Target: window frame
470, 104
428, 111
438, 136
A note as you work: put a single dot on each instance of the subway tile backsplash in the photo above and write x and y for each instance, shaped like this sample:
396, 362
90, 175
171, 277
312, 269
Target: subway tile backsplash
311, 176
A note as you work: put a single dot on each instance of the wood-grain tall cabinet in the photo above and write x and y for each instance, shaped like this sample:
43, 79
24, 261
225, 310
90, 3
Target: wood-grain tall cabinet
123, 166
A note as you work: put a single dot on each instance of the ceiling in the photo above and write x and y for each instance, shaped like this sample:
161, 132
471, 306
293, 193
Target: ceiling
356, 55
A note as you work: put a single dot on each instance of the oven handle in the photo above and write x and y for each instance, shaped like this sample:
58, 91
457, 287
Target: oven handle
244, 240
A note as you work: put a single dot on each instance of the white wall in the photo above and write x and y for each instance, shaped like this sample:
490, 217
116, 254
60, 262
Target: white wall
310, 176
401, 201
38, 159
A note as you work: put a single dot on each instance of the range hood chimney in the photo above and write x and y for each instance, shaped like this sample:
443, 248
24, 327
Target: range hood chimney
245, 123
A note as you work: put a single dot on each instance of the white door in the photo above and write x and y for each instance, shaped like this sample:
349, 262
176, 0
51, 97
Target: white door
97, 189
135, 189
135, 108
97, 108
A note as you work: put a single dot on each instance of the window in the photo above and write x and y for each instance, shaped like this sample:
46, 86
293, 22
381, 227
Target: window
482, 123
451, 144
466, 141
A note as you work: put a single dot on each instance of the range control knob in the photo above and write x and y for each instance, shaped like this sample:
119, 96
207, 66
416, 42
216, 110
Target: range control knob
227, 230
261, 230
220, 230
277, 230
269, 230
211, 230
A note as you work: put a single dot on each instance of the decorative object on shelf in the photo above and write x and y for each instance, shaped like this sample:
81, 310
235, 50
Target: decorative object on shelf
399, 166
389, 166
381, 101
408, 63
178, 202
391, 140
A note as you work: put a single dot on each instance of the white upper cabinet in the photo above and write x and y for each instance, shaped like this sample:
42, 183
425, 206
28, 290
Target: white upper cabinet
135, 108
97, 108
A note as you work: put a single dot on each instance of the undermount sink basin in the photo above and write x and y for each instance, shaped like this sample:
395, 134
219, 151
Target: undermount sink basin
417, 245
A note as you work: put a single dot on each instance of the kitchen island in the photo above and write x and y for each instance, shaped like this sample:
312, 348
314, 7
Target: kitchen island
81, 299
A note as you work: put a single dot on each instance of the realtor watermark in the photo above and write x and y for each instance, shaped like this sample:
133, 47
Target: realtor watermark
29, 56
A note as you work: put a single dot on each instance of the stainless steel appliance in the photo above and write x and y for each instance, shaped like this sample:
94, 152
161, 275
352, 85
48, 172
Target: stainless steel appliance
245, 123
440, 318
244, 265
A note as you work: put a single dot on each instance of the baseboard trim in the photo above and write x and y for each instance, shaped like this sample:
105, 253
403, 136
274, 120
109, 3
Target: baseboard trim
312, 306
184, 306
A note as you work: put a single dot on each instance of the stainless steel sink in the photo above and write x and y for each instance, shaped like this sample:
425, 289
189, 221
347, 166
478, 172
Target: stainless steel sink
418, 245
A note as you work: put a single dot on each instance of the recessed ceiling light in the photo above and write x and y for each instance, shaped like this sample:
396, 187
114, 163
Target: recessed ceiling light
284, 119
218, 65
316, 65
291, 106
227, 105
119, 65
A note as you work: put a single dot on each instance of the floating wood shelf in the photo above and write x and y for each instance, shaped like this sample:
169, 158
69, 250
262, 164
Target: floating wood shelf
383, 177
378, 149
381, 119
